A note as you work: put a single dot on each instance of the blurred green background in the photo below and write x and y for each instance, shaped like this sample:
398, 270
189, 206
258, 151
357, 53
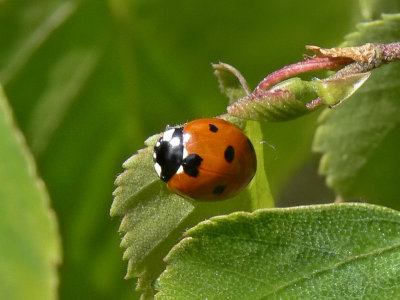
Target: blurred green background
90, 80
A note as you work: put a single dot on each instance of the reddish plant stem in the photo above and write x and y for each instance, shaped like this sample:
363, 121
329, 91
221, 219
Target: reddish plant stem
390, 52
314, 64
384, 53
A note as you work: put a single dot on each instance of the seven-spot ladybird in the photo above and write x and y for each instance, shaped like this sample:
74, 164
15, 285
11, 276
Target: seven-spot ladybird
206, 159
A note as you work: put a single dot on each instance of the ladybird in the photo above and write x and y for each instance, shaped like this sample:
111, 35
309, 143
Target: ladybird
206, 159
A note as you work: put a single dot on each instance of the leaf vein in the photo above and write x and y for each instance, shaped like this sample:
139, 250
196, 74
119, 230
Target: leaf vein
335, 266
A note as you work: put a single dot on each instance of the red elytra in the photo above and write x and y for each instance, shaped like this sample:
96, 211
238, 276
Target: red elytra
228, 161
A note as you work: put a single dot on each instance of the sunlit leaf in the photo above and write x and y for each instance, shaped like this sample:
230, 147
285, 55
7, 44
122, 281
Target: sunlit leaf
343, 251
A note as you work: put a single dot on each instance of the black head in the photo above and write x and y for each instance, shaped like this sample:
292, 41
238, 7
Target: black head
168, 153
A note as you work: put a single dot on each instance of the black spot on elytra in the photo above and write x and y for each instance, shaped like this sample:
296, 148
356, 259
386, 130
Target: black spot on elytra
229, 154
213, 128
219, 189
191, 165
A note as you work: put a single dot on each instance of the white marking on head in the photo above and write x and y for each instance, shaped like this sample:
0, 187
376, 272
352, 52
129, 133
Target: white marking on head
186, 137
175, 142
180, 170
158, 143
185, 153
168, 134
157, 167
154, 155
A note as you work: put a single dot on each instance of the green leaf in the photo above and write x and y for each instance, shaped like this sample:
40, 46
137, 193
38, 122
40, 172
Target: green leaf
372, 9
285, 101
259, 190
231, 82
287, 150
89, 80
334, 91
339, 251
360, 138
154, 218
30, 244
288, 99
64, 75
